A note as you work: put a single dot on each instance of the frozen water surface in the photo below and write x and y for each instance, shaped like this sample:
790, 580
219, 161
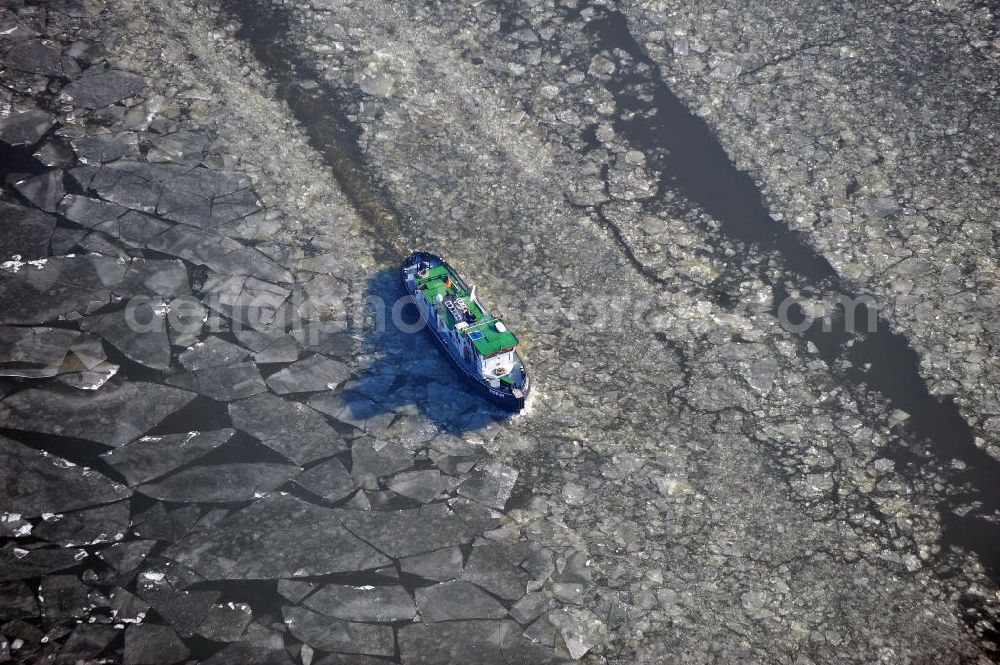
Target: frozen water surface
260, 473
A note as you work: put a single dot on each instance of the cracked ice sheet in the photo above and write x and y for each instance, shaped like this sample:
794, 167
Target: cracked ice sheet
217, 252
291, 428
368, 604
612, 392
201, 197
34, 352
150, 457
600, 479
322, 632
139, 332
112, 415
219, 483
24, 128
18, 563
277, 536
36, 483
484, 641
106, 524
101, 88
874, 220
37, 292
24, 232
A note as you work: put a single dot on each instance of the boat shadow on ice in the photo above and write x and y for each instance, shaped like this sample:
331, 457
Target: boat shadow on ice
406, 389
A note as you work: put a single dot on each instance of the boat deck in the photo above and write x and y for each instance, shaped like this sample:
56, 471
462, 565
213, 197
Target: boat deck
484, 333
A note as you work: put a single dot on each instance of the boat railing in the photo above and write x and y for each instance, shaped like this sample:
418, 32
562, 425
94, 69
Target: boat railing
477, 324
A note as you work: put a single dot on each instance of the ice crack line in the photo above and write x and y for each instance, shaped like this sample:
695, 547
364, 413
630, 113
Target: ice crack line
682, 148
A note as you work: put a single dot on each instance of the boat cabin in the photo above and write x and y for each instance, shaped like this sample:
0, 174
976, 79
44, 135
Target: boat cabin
481, 340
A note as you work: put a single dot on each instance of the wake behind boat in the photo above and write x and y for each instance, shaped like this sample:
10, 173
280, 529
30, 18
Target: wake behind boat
478, 344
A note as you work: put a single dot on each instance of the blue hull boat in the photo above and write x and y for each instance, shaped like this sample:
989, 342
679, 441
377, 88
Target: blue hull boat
477, 343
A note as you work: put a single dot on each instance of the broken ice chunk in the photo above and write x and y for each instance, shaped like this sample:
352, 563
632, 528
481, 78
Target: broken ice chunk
63, 597
418, 485
371, 459
157, 523
241, 653
407, 532
494, 567
180, 146
475, 514
139, 331
54, 153
43, 191
73, 285
442, 565
457, 600
453, 455
103, 87
126, 607
89, 212
184, 609
160, 279
220, 483
149, 644
35, 58
26, 128
282, 350
225, 623
12, 525
123, 559
134, 228
293, 429
21, 564
490, 485
328, 479
84, 374
253, 302
24, 232
369, 604
295, 590
531, 607
104, 524
412, 431
99, 149
150, 457
221, 254
264, 637
580, 629
212, 352
376, 83
312, 374
17, 601
33, 352
277, 536
33, 483
224, 383
322, 632
463, 641
113, 415
87, 641
203, 198
90, 379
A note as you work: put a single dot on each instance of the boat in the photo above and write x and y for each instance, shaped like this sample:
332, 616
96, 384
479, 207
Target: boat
478, 343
